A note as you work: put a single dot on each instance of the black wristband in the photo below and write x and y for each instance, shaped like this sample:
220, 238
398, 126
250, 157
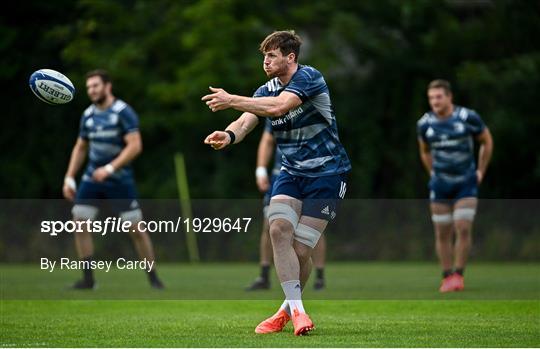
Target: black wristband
232, 135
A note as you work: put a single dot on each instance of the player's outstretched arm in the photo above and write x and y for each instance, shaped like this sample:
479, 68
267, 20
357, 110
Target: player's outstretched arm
261, 106
484, 153
425, 155
78, 155
239, 129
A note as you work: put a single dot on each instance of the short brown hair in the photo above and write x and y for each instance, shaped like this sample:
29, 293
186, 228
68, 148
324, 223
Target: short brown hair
440, 83
286, 40
102, 73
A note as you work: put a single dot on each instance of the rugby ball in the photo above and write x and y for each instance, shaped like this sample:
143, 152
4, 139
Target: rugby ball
51, 86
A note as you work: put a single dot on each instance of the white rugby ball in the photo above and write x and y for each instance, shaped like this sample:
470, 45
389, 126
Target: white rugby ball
51, 86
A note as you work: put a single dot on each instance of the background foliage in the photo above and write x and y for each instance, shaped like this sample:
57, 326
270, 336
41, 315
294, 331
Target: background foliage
377, 57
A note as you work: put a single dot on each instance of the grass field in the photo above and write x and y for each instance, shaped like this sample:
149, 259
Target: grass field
365, 304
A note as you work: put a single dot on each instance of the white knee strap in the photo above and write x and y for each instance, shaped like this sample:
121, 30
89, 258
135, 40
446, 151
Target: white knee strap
84, 212
307, 235
279, 210
442, 218
464, 214
133, 216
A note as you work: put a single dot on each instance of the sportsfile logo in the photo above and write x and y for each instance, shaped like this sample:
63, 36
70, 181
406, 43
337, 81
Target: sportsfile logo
118, 224
110, 224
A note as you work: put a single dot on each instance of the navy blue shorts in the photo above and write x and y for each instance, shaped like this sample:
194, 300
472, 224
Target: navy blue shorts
119, 196
448, 192
319, 195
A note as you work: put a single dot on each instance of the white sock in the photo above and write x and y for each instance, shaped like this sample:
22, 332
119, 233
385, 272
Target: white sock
293, 295
285, 307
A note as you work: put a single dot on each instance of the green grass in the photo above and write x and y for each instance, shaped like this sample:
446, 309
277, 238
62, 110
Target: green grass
365, 305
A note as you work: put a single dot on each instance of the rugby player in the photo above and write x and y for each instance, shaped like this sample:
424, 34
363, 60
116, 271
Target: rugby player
109, 135
314, 164
446, 136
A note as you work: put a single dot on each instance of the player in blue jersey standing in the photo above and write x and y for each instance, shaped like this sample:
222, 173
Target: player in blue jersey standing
267, 147
314, 164
446, 136
109, 134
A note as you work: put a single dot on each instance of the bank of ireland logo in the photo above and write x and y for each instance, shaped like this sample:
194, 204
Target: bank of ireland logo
287, 117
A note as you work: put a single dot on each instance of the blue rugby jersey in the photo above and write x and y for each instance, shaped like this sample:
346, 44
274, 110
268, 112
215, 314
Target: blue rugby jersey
277, 153
105, 131
451, 142
307, 135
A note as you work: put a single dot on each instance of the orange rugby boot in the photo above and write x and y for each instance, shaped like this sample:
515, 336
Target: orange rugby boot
275, 323
302, 323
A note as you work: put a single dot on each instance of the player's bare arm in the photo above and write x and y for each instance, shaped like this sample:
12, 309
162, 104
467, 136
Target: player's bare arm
78, 155
425, 155
261, 106
264, 154
132, 149
484, 153
240, 128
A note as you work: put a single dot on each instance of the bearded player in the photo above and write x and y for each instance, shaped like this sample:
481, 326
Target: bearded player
109, 135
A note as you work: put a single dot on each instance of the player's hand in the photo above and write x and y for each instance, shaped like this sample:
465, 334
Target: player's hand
218, 140
479, 176
263, 184
218, 100
69, 193
100, 174
69, 189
